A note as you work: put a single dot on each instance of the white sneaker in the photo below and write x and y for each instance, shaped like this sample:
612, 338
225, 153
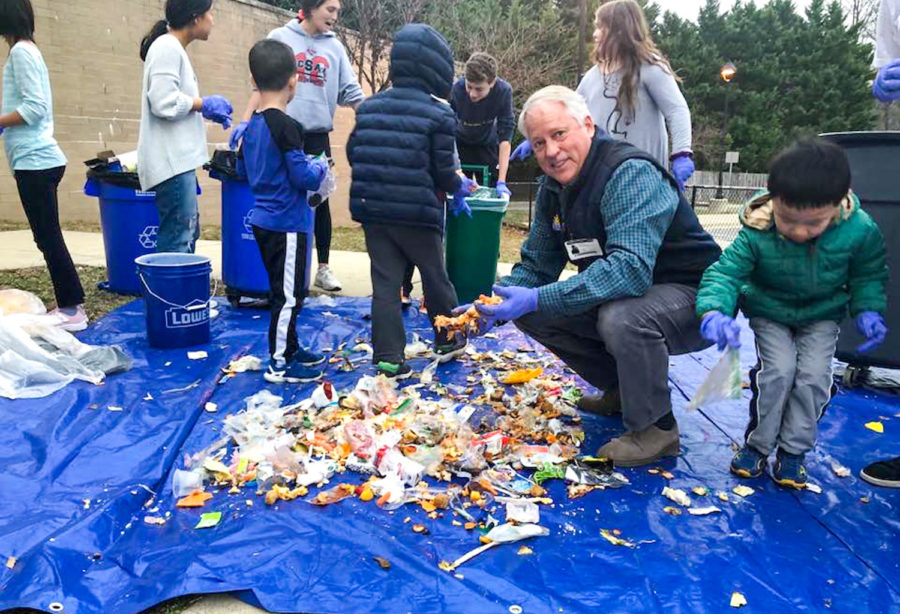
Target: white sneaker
326, 280
71, 323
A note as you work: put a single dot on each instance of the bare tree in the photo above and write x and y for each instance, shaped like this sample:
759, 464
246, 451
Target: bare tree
863, 13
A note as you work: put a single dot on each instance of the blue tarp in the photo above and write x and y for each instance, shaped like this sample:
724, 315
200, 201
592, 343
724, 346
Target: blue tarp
75, 477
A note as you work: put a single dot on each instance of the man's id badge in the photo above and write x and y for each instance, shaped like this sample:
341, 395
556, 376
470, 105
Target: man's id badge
579, 249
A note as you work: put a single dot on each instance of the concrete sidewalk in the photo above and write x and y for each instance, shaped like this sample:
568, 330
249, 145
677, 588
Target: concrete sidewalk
17, 251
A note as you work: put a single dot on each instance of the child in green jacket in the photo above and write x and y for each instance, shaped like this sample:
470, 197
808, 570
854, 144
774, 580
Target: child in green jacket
805, 254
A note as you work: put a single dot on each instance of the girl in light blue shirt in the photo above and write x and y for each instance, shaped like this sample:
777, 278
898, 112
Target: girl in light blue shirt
26, 124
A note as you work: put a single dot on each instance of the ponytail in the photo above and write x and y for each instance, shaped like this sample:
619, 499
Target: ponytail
158, 29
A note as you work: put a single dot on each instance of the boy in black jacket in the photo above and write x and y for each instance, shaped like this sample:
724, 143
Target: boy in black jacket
402, 156
280, 175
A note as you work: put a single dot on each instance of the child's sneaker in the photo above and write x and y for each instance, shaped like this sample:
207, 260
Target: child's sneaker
326, 280
789, 470
307, 358
748, 463
291, 373
394, 370
72, 319
449, 351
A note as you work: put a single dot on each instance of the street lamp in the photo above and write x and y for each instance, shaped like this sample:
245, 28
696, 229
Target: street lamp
727, 73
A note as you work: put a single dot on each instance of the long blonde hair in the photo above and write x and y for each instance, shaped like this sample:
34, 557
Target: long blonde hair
626, 46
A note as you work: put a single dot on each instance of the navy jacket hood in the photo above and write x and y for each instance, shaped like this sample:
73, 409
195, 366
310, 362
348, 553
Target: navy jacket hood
421, 59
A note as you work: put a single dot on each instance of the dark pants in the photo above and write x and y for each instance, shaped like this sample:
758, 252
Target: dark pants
284, 256
391, 249
315, 143
37, 190
407, 279
479, 155
626, 344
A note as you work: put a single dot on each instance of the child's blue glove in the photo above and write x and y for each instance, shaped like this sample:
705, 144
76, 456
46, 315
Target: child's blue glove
683, 169
217, 109
502, 190
237, 134
459, 204
871, 325
721, 330
517, 302
887, 84
522, 152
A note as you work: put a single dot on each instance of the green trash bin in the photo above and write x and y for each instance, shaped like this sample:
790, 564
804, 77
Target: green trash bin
473, 244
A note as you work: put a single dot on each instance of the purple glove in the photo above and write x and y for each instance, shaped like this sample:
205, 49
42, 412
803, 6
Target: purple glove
217, 109
502, 190
484, 325
522, 152
871, 325
517, 302
459, 204
237, 134
721, 330
887, 84
683, 169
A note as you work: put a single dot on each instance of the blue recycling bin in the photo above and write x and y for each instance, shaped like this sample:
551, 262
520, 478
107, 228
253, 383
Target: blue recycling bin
130, 224
243, 271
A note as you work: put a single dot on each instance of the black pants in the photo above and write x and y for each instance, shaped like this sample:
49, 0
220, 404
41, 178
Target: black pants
284, 256
391, 249
315, 143
479, 155
37, 190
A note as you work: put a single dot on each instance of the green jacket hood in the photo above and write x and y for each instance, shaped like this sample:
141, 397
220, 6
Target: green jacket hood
758, 213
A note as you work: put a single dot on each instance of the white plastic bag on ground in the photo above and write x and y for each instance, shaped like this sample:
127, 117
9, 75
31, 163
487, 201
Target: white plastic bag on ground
723, 382
18, 301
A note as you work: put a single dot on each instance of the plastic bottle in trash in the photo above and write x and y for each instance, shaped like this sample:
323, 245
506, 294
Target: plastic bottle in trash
360, 438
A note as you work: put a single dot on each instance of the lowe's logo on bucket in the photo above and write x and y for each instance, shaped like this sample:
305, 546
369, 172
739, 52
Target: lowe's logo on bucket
194, 313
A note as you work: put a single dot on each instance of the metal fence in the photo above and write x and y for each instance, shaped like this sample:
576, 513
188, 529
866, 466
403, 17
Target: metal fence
717, 213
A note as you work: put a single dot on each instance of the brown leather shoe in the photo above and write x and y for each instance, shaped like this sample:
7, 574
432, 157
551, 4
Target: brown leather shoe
607, 404
636, 448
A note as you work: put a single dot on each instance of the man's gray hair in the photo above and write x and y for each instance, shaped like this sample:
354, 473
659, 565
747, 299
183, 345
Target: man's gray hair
572, 100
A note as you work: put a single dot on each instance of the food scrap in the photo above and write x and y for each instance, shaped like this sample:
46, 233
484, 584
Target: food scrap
467, 322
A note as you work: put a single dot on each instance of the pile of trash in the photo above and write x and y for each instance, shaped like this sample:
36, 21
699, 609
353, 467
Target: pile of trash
460, 452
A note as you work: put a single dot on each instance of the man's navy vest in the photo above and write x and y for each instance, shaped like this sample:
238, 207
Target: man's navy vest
686, 251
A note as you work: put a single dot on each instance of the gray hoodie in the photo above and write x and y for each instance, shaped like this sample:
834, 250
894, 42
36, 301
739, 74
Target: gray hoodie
326, 77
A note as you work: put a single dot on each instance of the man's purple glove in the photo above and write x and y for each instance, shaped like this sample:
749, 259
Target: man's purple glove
721, 330
517, 302
459, 204
887, 84
522, 152
217, 109
237, 134
871, 325
484, 325
502, 190
683, 169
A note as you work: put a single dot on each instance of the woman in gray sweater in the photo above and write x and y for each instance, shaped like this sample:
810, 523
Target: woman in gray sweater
172, 141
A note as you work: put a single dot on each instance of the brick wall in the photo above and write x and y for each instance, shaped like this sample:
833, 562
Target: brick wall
91, 50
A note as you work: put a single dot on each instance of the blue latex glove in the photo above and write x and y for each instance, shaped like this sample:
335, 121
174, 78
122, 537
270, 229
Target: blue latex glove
459, 204
871, 325
517, 302
502, 190
484, 325
721, 330
522, 152
236, 135
217, 109
683, 169
887, 84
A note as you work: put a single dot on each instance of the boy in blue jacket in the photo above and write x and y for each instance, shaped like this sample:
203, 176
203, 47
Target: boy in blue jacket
402, 156
280, 175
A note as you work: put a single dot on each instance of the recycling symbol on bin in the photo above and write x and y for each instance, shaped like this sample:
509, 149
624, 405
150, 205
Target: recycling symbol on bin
247, 225
147, 237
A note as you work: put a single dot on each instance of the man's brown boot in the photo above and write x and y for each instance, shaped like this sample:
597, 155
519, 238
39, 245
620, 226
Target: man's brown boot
607, 404
636, 448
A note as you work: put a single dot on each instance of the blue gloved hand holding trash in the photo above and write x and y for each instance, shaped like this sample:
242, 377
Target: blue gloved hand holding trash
236, 135
502, 190
721, 330
871, 325
459, 204
217, 109
517, 302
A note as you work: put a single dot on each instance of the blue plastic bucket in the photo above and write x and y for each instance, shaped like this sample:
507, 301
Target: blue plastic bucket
242, 266
176, 298
130, 224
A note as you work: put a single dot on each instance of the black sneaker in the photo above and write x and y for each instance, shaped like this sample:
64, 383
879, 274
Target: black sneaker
394, 370
883, 473
307, 358
449, 351
291, 373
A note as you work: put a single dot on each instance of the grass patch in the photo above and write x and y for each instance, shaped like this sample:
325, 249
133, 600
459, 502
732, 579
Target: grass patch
97, 302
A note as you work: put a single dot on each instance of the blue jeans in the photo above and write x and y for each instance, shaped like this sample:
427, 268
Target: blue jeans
179, 216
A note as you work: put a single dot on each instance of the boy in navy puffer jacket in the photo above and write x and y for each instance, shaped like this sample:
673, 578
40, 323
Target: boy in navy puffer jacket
402, 156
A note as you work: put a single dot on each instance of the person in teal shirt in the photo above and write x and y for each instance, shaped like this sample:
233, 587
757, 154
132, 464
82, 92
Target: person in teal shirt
34, 156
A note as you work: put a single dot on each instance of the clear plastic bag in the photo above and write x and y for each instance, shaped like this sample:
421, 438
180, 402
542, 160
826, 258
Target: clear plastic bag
328, 185
723, 382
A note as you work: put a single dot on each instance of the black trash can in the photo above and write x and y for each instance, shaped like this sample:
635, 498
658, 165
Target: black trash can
875, 161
